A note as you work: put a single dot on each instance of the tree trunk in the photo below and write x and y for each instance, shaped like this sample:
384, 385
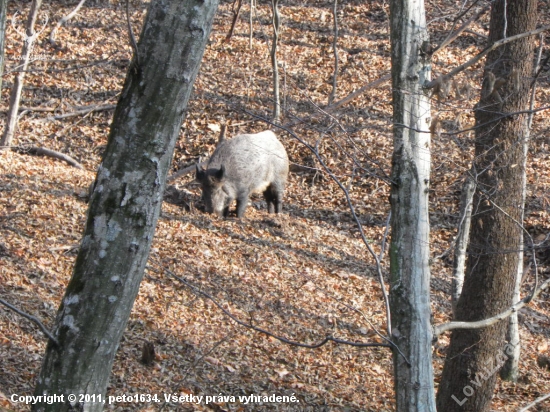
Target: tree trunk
3, 14
125, 204
459, 263
332, 95
409, 252
15, 97
510, 370
274, 63
474, 356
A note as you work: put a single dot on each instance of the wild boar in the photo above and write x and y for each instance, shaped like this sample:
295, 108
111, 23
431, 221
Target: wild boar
246, 164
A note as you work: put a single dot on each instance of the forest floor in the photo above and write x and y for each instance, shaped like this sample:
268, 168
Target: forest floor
303, 275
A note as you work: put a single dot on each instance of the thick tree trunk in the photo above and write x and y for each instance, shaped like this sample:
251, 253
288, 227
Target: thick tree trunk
409, 252
510, 370
125, 203
474, 356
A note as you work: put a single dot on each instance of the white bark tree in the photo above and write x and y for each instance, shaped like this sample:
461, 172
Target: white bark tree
3, 15
409, 251
274, 62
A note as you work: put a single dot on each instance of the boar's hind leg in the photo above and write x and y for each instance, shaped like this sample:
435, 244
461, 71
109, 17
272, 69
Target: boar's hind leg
270, 200
274, 198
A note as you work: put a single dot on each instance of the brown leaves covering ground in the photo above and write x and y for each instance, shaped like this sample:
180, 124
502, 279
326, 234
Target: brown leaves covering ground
303, 275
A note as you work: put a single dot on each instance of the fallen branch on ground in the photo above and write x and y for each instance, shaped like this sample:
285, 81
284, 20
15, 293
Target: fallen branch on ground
41, 151
84, 111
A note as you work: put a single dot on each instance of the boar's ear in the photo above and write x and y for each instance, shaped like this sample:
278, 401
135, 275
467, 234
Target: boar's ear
199, 172
220, 174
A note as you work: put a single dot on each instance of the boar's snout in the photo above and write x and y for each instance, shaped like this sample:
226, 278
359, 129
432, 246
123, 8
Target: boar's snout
214, 198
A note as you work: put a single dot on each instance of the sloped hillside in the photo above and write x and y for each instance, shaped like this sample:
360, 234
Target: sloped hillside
302, 276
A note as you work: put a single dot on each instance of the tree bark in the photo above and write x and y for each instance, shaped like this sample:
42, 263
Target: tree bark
125, 204
409, 251
474, 356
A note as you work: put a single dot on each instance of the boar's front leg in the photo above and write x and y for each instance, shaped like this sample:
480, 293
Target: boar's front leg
242, 203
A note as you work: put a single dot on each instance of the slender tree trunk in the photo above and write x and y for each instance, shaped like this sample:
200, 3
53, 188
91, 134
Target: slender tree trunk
332, 95
475, 356
409, 251
15, 97
251, 21
274, 63
3, 14
510, 370
125, 203
459, 263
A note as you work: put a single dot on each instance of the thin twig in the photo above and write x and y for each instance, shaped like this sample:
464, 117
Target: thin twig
64, 20
234, 22
87, 110
538, 400
453, 35
439, 329
482, 54
503, 116
323, 342
534, 87
133, 42
44, 330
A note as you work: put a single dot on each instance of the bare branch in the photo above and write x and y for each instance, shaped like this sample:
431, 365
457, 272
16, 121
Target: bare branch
482, 54
64, 20
504, 116
439, 329
183, 172
234, 22
133, 42
538, 400
534, 88
32, 109
453, 36
44, 330
358, 92
85, 111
